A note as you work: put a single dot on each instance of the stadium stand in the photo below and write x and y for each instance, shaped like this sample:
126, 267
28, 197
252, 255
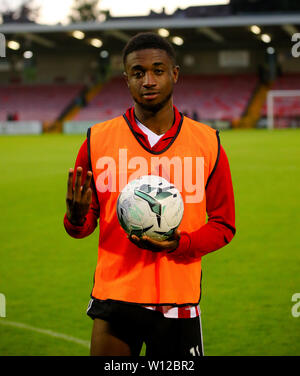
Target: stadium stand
205, 97
113, 98
286, 107
211, 97
220, 89
36, 102
215, 97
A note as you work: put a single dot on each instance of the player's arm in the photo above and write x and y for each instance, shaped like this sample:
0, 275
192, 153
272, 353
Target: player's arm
220, 227
82, 212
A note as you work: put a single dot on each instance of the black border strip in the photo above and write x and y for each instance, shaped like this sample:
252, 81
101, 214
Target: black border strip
147, 149
217, 160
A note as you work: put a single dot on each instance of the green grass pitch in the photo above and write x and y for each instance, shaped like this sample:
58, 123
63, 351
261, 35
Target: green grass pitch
46, 276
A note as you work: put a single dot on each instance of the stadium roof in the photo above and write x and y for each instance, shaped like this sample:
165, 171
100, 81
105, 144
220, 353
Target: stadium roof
197, 32
144, 23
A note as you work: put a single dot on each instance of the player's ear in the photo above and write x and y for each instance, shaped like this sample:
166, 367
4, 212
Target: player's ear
175, 73
125, 75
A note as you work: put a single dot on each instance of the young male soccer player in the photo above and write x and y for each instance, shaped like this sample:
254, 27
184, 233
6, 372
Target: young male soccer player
145, 290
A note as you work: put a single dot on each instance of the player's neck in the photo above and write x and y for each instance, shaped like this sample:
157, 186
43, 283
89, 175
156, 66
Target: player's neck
158, 122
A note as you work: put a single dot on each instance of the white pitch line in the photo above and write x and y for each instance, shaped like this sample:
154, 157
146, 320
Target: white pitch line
46, 331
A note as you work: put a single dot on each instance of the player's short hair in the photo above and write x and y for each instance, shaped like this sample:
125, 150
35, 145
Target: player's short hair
146, 40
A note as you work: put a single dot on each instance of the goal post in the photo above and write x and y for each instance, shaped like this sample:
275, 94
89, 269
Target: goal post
290, 107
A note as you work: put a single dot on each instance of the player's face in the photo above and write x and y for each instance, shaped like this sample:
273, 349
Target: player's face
150, 76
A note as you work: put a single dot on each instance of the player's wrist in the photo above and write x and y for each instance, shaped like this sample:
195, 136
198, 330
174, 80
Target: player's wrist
76, 221
183, 244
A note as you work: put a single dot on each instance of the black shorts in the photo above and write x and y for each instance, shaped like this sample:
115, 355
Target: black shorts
135, 325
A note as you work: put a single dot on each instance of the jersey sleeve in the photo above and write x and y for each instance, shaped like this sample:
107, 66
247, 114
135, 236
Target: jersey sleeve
220, 227
92, 217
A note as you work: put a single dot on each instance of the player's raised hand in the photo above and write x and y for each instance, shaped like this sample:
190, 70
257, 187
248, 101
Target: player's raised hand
79, 197
153, 245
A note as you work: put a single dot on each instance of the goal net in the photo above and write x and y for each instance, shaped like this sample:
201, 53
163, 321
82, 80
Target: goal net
283, 109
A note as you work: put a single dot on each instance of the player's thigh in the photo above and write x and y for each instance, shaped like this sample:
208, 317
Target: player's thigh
114, 339
176, 338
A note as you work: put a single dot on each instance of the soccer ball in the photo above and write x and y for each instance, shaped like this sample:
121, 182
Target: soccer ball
150, 205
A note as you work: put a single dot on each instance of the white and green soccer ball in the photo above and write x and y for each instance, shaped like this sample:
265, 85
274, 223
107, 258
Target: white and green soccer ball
151, 206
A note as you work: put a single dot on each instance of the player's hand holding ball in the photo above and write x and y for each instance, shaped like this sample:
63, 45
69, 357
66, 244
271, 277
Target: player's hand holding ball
156, 245
150, 210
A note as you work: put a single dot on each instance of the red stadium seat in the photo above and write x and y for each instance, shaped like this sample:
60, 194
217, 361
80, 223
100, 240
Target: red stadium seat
212, 97
215, 97
112, 101
36, 102
286, 106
